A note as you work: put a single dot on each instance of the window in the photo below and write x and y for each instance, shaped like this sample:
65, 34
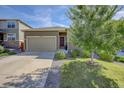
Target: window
11, 36
11, 25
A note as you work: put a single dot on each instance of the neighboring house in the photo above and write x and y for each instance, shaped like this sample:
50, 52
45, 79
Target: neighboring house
47, 39
10, 32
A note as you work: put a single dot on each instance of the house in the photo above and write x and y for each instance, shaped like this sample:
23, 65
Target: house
14, 32
47, 39
10, 32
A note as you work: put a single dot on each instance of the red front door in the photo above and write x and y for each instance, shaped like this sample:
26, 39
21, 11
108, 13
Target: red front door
61, 42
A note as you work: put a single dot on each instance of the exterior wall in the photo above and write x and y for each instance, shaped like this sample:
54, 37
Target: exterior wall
16, 30
11, 44
3, 24
21, 33
42, 33
6, 30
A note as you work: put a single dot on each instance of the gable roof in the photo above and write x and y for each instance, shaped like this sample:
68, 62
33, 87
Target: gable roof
16, 20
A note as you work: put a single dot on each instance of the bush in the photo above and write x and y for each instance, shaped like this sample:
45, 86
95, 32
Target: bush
1, 48
105, 56
75, 53
5, 52
60, 55
119, 58
11, 53
85, 54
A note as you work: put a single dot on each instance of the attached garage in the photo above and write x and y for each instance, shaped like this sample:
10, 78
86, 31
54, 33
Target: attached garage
41, 43
38, 40
45, 39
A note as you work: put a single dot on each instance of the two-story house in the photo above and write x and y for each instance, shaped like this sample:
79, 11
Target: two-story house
10, 32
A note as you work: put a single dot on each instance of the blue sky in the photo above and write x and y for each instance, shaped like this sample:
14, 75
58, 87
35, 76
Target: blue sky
42, 15
37, 16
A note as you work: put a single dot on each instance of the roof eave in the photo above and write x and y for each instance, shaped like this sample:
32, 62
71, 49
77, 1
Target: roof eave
25, 30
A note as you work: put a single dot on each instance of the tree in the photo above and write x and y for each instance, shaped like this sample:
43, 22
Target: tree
91, 29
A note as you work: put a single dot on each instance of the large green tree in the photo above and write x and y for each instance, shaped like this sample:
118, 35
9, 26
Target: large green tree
91, 28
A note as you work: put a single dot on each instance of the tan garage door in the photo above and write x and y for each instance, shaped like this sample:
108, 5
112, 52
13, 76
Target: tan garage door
41, 43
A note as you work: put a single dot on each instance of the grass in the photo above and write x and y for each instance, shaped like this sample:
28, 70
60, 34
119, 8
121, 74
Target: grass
77, 74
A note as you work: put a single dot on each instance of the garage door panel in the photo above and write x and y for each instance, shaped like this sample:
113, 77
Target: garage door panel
42, 43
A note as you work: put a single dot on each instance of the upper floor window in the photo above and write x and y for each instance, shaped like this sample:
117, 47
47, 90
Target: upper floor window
11, 25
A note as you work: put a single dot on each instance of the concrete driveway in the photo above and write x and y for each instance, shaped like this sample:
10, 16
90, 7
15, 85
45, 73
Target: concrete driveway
28, 69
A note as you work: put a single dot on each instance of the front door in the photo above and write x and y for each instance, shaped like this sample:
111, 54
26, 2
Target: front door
1, 38
61, 42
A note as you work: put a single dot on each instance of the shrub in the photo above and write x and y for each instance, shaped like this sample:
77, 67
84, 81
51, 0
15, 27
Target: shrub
105, 56
85, 54
5, 52
119, 58
11, 53
1, 48
60, 55
75, 53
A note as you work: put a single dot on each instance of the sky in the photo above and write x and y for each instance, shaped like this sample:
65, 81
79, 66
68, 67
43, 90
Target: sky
39, 16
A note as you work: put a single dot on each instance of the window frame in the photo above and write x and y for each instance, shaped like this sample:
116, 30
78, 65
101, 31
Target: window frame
11, 25
14, 36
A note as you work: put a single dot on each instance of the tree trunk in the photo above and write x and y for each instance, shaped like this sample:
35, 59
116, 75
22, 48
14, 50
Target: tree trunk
92, 57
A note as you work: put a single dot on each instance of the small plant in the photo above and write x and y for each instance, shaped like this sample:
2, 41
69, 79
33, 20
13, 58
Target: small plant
1, 48
11, 53
106, 56
119, 58
75, 53
60, 55
5, 52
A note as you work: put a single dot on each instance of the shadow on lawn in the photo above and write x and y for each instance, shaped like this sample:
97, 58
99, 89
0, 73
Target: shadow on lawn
33, 80
78, 74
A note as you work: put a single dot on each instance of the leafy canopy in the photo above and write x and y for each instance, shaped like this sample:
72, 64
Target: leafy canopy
92, 28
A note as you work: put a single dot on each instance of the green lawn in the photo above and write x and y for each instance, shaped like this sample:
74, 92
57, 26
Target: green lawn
78, 74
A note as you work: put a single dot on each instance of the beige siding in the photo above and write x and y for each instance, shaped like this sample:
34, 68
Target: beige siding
4, 25
21, 34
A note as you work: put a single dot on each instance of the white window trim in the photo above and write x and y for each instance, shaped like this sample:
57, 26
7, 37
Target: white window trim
11, 33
